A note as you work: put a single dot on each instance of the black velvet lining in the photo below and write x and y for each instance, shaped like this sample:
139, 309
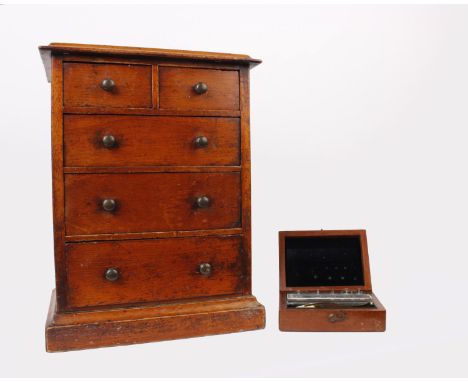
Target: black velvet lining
323, 261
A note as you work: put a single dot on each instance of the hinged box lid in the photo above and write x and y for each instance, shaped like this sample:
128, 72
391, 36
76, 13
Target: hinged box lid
324, 261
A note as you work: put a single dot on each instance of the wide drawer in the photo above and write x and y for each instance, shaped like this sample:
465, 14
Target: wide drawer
92, 140
107, 85
122, 272
198, 89
121, 203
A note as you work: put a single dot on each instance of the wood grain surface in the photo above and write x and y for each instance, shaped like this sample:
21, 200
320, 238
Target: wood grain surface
152, 270
176, 89
126, 52
363, 319
157, 236
366, 319
150, 141
151, 202
82, 85
145, 323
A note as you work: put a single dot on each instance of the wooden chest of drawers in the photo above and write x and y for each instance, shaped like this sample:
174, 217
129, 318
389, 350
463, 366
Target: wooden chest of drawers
151, 195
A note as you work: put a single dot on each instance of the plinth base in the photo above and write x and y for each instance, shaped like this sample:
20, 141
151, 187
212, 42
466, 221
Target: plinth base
125, 326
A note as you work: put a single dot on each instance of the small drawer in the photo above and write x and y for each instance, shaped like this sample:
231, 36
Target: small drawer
198, 89
155, 202
107, 85
125, 272
150, 141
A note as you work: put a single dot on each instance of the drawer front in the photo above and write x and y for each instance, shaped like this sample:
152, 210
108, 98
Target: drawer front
83, 85
176, 89
333, 320
106, 273
127, 203
134, 141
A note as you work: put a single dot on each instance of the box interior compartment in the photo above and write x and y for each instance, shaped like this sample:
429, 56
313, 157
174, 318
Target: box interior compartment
323, 261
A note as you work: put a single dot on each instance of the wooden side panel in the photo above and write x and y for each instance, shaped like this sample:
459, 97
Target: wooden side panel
58, 194
82, 85
150, 141
176, 89
245, 178
151, 202
152, 270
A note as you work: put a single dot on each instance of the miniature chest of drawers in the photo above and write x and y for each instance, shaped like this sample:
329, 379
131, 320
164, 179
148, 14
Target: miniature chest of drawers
151, 195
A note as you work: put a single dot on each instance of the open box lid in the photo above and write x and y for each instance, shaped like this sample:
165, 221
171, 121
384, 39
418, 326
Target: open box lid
324, 260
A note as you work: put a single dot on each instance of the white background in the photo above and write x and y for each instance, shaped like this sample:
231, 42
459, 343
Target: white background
359, 120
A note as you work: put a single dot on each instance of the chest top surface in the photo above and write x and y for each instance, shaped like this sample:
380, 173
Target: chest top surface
138, 52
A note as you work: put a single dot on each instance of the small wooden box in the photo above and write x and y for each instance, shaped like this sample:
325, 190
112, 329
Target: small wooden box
331, 266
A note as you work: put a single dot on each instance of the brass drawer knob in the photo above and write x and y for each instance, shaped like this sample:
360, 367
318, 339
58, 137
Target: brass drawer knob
205, 269
108, 84
203, 202
201, 142
200, 88
112, 274
108, 141
109, 205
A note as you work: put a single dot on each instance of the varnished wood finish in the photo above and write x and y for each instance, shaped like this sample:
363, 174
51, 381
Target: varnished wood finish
58, 191
245, 180
152, 235
318, 320
142, 169
142, 53
146, 323
155, 173
150, 141
150, 202
152, 270
365, 319
82, 85
150, 111
176, 89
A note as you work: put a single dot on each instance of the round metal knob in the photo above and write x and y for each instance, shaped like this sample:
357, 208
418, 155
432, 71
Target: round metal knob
112, 274
200, 88
203, 202
108, 84
205, 269
201, 142
108, 141
109, 205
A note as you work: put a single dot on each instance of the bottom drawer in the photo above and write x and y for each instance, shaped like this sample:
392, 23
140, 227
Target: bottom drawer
123, 272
